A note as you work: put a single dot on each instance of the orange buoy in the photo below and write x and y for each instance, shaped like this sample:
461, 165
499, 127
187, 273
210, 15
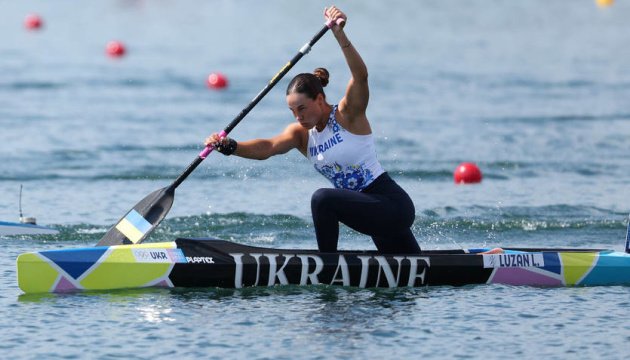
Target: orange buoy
217, 81
467, 173
33, 22
115, 49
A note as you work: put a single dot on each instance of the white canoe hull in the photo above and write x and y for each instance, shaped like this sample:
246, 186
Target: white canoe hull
10, 228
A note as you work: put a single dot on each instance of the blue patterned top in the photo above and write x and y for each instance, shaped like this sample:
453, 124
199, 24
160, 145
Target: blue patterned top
347, 160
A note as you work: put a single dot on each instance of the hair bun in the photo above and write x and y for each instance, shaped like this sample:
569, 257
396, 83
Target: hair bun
323, 75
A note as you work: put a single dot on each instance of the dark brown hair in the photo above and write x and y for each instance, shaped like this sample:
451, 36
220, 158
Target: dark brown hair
310, 85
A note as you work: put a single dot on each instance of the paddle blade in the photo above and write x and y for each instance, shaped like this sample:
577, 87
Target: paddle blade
138, 223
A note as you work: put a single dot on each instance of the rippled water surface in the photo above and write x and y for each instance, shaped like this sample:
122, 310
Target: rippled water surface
535, 92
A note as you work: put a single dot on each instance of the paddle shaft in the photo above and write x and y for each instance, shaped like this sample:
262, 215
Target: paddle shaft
303, 51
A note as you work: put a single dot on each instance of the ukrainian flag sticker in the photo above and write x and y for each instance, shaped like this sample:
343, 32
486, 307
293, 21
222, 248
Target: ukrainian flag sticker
133, 226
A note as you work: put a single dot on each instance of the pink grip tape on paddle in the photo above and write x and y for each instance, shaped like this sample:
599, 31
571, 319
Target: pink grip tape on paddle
329, 22
208, 149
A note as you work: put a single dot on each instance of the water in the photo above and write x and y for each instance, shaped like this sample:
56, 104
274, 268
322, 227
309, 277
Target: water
534, 92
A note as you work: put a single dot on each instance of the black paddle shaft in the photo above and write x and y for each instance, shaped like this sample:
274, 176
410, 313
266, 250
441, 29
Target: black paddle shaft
303, 51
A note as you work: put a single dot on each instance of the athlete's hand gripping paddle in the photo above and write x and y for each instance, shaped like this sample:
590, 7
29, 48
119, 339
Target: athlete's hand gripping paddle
138, 223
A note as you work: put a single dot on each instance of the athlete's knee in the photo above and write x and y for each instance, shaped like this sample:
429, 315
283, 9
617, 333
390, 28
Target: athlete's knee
320, 199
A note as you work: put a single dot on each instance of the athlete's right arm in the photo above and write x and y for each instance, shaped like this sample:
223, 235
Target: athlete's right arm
294, 136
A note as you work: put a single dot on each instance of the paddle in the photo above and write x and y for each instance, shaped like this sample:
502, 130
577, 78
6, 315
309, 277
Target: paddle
138, 222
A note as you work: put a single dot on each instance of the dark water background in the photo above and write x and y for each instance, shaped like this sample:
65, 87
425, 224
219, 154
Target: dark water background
535, 92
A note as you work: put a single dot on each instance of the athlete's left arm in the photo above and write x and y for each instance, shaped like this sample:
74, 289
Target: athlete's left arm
355, 101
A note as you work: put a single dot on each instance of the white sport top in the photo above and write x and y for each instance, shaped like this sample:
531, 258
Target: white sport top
347, 160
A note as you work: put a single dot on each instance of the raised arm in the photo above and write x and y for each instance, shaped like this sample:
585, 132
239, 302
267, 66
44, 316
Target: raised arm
357, 94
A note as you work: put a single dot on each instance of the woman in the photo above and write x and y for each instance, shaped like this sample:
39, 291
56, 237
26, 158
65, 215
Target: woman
338, 140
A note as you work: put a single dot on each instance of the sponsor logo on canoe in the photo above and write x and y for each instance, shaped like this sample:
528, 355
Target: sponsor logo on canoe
513, 260
200, 259
256, 269
168, 256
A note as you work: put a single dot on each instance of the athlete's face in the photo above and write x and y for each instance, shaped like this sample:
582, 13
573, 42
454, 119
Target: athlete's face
307, 112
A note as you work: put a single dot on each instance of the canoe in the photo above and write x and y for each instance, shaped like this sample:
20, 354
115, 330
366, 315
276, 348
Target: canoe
205, 262
11, 228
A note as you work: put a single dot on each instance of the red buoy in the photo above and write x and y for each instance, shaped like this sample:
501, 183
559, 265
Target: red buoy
33, 22
115, 49
467, 173
217, 81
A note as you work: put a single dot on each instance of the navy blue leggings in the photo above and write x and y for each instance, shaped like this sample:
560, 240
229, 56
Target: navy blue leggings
383, 210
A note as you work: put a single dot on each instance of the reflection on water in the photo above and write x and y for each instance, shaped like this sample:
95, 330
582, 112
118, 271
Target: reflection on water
155, 314
262, 322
